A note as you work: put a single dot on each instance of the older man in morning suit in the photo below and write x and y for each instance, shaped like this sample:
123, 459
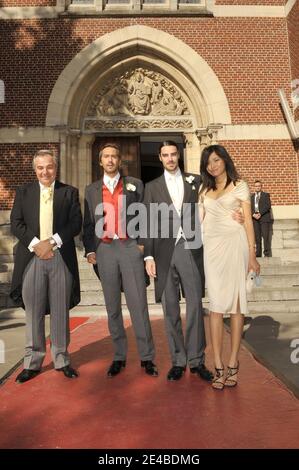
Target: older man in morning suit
46, 216
174, 259
118, 257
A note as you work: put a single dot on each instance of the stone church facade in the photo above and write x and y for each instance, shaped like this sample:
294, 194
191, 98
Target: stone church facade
77, 74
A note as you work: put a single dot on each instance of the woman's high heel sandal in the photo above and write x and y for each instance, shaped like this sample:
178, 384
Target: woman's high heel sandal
217, 384
231, 372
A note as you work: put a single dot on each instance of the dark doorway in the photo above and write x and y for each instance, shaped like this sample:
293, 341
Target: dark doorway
130, 151
150, 165
139, 155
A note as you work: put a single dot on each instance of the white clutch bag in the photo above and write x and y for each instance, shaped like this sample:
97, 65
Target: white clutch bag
252, 281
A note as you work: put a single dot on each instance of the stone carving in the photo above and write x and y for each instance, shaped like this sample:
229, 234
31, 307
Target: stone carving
139, 92
96, 125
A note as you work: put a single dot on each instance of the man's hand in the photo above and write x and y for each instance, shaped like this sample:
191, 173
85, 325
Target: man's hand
43, 249
150, 267
91, 258
238, 216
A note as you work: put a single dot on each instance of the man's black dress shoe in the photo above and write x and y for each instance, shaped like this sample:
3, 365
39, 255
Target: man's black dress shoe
115, 368
69, 372
150, 368
203, 372
26, 374
176, 373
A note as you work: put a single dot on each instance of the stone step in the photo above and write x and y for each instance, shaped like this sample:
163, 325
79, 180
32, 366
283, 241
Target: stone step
282, 270
6, 258
286, 254
5, 277
89, 282
287, 224
5, 231
266, 308
274, 293
258, 295
7, 244
286, 280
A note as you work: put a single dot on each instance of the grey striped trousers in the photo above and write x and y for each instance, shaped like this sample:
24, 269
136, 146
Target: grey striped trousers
47, 280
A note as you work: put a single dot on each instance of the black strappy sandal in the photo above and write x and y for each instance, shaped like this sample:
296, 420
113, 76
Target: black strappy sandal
231, 371
216, 383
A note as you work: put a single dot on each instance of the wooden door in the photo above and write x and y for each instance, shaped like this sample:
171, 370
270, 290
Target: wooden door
130, 152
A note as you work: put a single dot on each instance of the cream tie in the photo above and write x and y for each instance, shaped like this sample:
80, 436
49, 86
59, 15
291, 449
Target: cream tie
175, 194
46, 214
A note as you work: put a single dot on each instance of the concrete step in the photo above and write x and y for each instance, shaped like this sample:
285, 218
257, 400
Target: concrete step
284, 269
271, 261
286, 254
287, 224
281, 281
266, 308
5, 277
274, 293
7, 244
6, 258
5, 231
266, 294
96, 297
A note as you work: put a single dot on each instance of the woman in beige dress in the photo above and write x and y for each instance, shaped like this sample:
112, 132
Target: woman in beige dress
229, 254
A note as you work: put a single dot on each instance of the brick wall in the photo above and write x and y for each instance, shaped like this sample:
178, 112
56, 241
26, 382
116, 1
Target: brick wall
16, 168
273, 162
250, 57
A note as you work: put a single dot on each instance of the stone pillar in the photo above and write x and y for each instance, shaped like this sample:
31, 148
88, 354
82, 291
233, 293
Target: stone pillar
99, 5
84, 162
63, 157
192, 152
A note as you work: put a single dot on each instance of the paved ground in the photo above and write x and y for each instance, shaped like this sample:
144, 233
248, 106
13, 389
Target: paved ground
136, 411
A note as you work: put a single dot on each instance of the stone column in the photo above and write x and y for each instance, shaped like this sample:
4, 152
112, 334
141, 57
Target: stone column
192, 152
84, 162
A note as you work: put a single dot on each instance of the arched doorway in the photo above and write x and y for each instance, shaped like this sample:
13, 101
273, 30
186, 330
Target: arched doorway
138, 82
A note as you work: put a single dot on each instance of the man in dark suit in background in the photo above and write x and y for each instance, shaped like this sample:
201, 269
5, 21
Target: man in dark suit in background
174, 258
46, 216
262, 220
119, 259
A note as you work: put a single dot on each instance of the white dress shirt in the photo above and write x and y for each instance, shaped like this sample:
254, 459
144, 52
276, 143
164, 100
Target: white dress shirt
175, 186
56, 237
111, 183
256, 201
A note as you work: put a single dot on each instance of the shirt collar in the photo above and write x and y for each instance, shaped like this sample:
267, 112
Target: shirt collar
43, 188
107, 178
170, 176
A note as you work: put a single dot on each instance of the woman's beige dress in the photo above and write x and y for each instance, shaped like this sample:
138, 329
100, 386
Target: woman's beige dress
226, 251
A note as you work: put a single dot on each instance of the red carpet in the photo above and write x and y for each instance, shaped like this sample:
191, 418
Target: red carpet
133, 410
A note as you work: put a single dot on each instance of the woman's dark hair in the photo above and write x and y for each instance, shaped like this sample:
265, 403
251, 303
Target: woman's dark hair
208, 180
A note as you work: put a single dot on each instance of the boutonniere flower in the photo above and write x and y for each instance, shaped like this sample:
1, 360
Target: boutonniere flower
190, 179
131, 187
